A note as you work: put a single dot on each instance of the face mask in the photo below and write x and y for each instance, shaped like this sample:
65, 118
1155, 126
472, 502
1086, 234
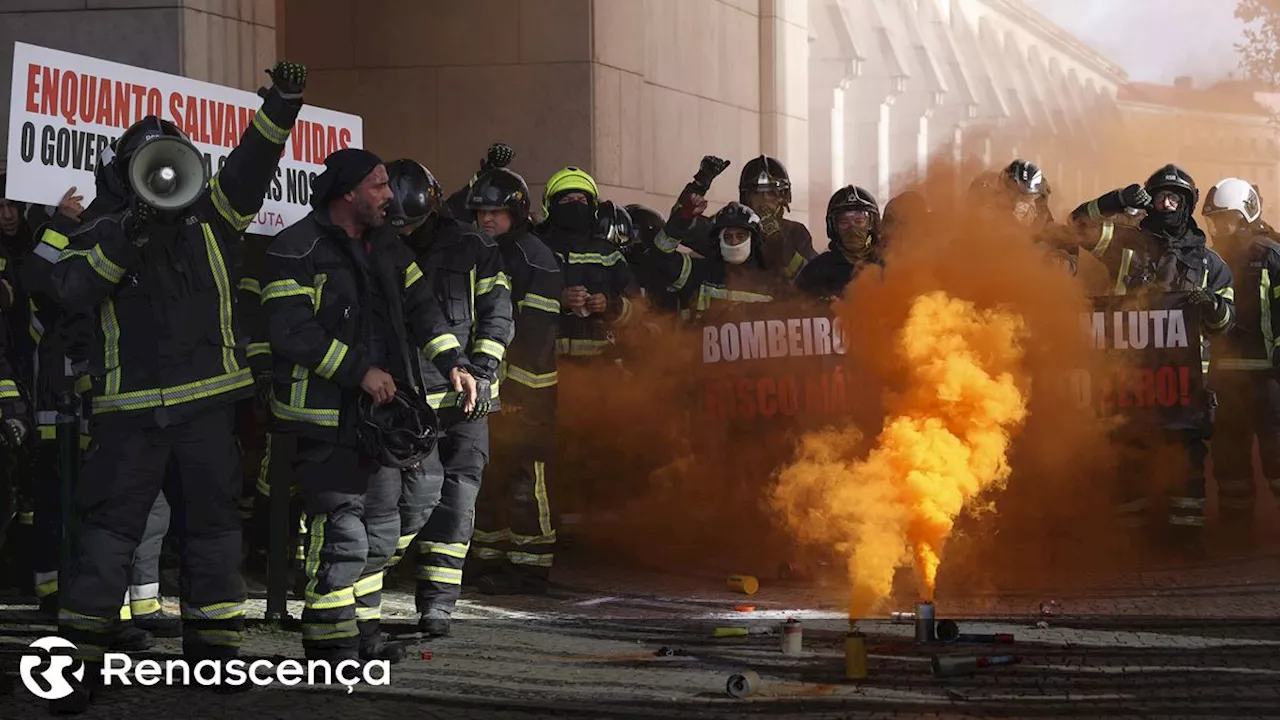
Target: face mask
735, 254
574, 216
856, 241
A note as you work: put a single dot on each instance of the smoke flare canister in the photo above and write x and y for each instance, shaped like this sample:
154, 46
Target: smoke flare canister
902, 617
743, 684
947, 630
968, 664
745, 584
792, 637
855, 656
925, 631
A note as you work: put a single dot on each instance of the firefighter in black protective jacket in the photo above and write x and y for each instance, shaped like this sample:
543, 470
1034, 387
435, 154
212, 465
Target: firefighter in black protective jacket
599, 286
514, 542
1245, 373
167, 371
1166, 252
464, 268
341, 292
853, 227
61, 365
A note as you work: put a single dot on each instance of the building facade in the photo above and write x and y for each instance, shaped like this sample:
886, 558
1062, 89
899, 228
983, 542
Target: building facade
870, 92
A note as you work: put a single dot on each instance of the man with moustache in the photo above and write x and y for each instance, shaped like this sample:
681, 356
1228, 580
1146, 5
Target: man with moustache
853, 227
340, 291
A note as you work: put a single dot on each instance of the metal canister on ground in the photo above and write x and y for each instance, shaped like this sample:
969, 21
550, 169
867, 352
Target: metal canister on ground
855, 656
743, 684
902, 617
948, 631
745, 584
792, 637
925, 631
950, 666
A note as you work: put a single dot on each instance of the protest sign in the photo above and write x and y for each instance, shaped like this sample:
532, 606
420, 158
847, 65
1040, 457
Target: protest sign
64, 109
1149, 356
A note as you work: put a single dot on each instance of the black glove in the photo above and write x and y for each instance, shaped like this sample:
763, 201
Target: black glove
1202, 299
13, 432
500, 155
137, 222
289, 79
263, 387
708, 171
484, 403
1135, 197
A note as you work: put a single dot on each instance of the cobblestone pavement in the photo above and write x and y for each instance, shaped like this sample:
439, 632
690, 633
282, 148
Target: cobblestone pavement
1203, 642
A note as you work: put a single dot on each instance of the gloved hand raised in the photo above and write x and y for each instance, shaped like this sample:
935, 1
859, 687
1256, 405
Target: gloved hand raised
499, 155
708, 170
1135, 197
289, 79
1202, 299
13, 432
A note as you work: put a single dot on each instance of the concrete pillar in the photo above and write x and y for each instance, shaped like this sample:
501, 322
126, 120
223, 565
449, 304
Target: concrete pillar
784, 88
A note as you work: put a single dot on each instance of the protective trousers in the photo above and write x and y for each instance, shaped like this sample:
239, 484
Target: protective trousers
459, 461
351, 503
277, 456
514, 525
420, 490
1249, 407
143, 595
124, 472
1178, 459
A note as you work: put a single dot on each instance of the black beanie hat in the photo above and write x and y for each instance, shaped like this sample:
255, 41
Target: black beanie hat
344, 170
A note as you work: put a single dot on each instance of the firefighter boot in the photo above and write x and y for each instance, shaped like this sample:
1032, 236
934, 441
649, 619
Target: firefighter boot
375, 646
435, 623
160, 624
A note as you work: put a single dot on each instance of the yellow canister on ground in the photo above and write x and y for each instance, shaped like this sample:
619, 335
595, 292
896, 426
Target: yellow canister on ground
855, 656
745, 584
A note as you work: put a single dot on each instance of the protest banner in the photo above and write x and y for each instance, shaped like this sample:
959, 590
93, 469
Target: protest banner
64, 109
1149, 356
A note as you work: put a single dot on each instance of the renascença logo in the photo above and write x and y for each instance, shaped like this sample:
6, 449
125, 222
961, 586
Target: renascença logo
45, 672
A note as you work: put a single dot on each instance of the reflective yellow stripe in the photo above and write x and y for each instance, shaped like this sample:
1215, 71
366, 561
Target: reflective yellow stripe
286, 288
1093, 210
1126, 261
539, 302
1108, 232
491, 348
271, 131
412, 274
332, 360
486, 285
55, 239
625, 316
707, 293
223, 205
9, 389
259, 348
110, 346
221, 280
1268, 335
530, 379
98, 260
797, 262
575, 347
609, 260
686, 267
544, 505
295, 413
176, 395
443, 343
250, 285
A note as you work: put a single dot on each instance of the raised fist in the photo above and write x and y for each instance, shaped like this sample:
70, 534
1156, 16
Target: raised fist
708, 170
1135, 197
500, 155
289, 79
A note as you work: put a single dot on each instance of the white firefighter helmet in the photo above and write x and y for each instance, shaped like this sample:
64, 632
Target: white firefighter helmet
1234, 194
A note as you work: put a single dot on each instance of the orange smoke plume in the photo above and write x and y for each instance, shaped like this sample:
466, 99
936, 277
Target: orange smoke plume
945, 441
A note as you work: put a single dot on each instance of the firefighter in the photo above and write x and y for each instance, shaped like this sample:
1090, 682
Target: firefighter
640, 254
598, 282
1245, 373
341, 291
1166, 252
470, 287
60, 362
765, 187
513, 547
1015, 200
853, 227
734, 271
903, 214
166, 375
499, 155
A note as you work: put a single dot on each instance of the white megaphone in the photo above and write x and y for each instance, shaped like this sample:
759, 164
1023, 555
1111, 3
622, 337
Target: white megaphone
167, 173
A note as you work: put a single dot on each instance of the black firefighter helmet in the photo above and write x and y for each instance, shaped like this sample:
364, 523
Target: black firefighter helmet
400, 433
416, 195
647, 223
500, 189
112, 169
763, 174
851, 197
613, 225
1172, 177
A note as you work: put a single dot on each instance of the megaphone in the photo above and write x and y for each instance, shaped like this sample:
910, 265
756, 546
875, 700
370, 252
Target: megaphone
167, 173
